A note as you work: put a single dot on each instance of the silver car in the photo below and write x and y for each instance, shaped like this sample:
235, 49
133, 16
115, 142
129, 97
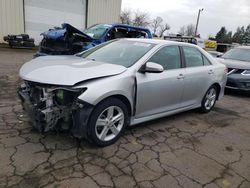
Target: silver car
98, 93
237, 61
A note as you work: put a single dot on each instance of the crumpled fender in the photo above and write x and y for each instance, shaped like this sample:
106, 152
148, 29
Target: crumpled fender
59, 33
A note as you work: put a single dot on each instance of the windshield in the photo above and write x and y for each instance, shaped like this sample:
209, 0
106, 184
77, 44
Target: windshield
238, 54
97, 31
121, 52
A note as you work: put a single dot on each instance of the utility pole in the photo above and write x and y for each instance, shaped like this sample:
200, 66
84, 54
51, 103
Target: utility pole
197, 23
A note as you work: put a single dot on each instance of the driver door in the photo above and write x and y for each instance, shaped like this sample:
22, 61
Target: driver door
161, 92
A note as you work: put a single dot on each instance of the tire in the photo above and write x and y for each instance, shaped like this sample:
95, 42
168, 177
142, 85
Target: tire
28, 44
209, 99
14, 43
5, 38
25, 36
108, 131
29, 40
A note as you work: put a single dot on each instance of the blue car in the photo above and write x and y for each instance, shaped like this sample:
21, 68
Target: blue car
67, 40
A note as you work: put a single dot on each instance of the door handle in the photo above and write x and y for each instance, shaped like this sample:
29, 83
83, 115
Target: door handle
181, 76
210, 72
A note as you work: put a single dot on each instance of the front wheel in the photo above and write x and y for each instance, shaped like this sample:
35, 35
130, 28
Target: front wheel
209, 99
107, 122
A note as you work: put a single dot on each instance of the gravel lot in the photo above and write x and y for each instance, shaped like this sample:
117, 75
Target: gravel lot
188, 150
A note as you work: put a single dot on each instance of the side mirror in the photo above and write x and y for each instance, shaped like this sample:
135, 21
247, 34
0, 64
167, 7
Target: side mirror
152, 68
219, 55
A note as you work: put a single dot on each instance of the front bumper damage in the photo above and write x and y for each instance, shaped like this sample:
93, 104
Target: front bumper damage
46, 114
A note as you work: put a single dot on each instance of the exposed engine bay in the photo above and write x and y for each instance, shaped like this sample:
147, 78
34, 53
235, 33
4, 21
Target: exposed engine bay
50, 107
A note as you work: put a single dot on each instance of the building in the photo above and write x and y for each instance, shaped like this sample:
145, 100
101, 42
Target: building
36, 16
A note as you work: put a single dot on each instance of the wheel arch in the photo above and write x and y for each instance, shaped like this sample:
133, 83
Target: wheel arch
123, 98
217, 85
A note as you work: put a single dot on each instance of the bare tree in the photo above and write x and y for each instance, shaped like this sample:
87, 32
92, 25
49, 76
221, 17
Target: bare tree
156, 23
163, 28
182, 30
126, 17
141, 19
190, 30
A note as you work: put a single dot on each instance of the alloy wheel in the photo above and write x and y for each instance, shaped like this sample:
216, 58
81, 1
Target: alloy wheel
210, 98
109, 123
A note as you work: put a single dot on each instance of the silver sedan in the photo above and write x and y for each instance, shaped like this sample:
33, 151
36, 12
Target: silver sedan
98, 93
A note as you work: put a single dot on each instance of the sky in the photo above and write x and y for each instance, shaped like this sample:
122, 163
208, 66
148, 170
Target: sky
216, 13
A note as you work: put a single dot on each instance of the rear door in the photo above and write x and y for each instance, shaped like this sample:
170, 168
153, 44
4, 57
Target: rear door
161, 92
198, 76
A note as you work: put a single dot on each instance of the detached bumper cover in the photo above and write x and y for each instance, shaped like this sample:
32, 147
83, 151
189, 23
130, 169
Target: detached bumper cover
80, 120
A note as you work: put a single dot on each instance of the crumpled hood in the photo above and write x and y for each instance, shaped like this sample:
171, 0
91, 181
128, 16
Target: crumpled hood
235, 63
66, 70
58, 33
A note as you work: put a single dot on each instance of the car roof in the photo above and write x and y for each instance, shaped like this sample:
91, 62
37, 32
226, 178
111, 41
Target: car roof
159, 42
124, 25
130, 26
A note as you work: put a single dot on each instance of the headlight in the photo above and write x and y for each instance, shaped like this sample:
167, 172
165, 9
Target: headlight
246, 72
66, 97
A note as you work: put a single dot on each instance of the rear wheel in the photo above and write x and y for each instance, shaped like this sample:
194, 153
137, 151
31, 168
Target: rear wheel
107, 122
209, 99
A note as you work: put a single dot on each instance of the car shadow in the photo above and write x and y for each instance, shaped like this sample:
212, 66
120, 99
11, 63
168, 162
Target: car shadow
237, 93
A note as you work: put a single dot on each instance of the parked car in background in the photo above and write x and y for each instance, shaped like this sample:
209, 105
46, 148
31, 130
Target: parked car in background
119, 83
237, 61
188, 39
223, 47
215, 53
180, 38
67, 40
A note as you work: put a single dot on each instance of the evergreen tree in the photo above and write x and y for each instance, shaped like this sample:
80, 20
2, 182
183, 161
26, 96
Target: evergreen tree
221, 35
238, 35
246, 37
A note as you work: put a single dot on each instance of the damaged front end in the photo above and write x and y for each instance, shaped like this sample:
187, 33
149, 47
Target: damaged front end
64, 40
53, 108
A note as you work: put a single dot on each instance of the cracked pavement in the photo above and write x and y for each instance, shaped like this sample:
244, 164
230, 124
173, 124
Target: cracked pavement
187, 150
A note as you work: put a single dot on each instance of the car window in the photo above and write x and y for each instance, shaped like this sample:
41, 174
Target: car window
238, 54
123, 32
206, 61
121, 52
168, 57
193, 57
97, 31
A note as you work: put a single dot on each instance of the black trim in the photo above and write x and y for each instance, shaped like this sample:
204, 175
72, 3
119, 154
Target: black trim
135, 98
86, 16
183, 60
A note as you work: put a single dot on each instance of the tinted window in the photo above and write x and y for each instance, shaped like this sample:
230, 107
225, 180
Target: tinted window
193, 57
122, 52
206, 61
238, 54
168, 57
